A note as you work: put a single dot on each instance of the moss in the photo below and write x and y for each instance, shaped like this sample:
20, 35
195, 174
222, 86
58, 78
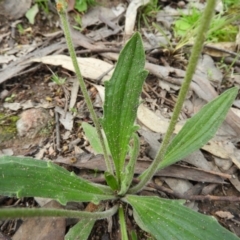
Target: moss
47, 130
8, 128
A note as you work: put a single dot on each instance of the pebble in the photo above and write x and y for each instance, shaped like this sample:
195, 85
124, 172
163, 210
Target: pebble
4, 94
32, 121
181, 4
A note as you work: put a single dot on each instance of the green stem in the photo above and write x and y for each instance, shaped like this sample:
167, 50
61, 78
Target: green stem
41, 212
63, 16
196, 51
123, 227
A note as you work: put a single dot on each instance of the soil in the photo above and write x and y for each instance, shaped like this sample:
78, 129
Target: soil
36, 86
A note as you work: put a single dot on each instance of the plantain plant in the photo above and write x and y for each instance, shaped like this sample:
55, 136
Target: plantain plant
162, 218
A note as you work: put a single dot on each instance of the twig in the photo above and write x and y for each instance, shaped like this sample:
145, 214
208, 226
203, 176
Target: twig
170, 102
98, 80
57, 131
66, 95
181, 196
222, 50
214, 198
103, 50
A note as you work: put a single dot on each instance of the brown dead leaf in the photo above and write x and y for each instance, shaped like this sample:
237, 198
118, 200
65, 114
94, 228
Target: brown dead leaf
131, 15
17, 9
153, 122
206, 66
91, 207
176, 171
92, 16
219, 49
90, 67
179, 186
42, 228
235, 182
224, 214
16, 67
71, 4
66, 118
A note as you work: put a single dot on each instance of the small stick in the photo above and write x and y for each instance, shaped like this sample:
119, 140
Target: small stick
57, 131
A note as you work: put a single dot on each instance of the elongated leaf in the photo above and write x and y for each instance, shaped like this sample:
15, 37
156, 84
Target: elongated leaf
27, 177
128, 173
168, 219
199, 129
81, 230
92, 136
111, 181
122, 99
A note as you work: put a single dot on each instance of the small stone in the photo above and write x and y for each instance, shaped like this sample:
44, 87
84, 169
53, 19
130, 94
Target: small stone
4, 94
32, 121
181, 4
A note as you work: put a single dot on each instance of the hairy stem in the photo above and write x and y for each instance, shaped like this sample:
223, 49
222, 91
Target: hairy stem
41, 212
196, 51
61, 7
122, 221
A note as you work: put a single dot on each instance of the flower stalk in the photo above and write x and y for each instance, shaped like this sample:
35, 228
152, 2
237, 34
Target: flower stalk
196, 51
62, 7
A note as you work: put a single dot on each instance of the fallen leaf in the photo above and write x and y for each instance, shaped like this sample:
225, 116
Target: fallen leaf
31, 13
71, 4
179, 186
12, 106
206, 66
42, 228
153, 122
131, 15
92, 16
217, 49
66, 118
74, 93
224, 214
7, 151
176, 171
17, 9
91, 68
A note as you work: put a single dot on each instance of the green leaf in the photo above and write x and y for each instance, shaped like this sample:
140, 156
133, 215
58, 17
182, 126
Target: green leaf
122, 99
111, 181
92, 136
27, 177
199, 129
168, 219
128, 174
187, 23
133, 235
81, 5
81, 230
31, 13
